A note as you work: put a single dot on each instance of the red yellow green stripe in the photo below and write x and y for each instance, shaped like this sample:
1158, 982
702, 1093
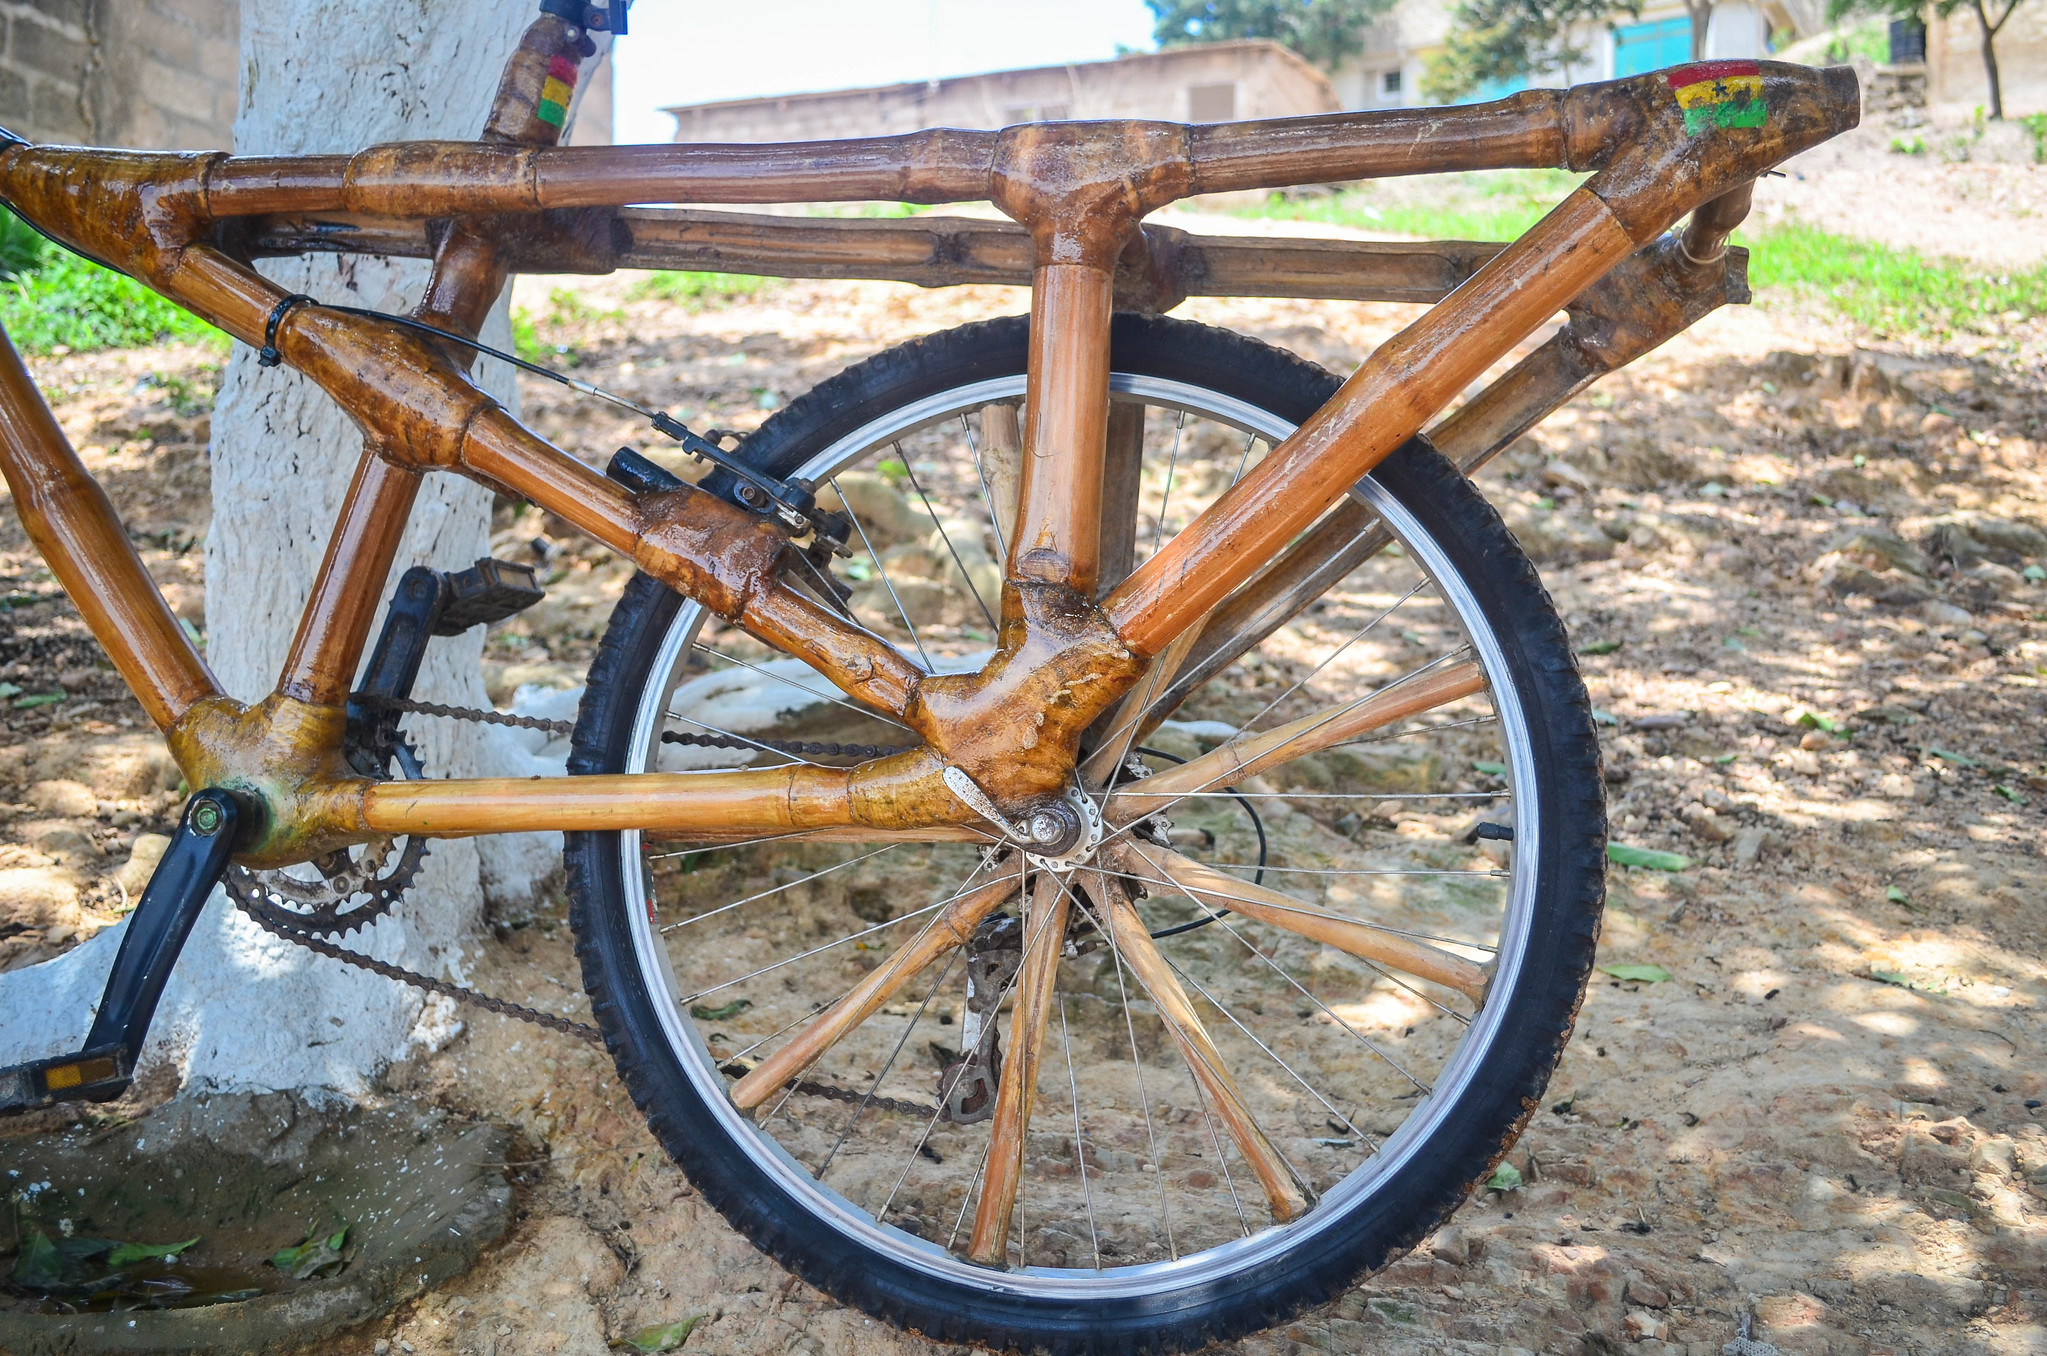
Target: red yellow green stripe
556, 94
1719, 94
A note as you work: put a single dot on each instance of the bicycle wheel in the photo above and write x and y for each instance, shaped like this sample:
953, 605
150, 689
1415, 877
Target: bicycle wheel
1150, 1215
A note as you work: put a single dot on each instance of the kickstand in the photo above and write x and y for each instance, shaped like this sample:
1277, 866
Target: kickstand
157, 930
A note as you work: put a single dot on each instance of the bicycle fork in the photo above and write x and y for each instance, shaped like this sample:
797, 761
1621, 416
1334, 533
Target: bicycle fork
157, 930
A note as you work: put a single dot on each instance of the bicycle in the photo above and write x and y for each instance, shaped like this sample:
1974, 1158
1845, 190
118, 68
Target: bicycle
1080, 728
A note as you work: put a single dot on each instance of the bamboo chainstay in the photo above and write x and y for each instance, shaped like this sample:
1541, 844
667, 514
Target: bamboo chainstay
504, 1008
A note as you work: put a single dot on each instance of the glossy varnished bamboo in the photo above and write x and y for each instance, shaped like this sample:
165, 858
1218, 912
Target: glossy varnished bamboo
1066, 408
1233, 894
348, 589
1248, 755
1016, 1091
1405, 382
949, 930
1284, 1194
73, 525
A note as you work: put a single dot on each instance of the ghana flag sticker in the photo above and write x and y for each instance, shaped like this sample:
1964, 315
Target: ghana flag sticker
1719, 94
559, 90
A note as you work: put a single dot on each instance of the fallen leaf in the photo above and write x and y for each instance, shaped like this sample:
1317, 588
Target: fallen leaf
1890, 977
1491, 769
1623, 854
311, 1255
1897, 896
9, 690
2009, 794
40, 699
39, 1267
1645, 974
1600, 647
1945, 755
1505, 1177
1600, 717
124, 1254
660, 1337
719, 1014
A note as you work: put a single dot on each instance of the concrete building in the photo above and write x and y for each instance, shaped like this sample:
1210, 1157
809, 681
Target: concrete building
159, 74
1388, 74
1211, 83
1954, 60
155, 74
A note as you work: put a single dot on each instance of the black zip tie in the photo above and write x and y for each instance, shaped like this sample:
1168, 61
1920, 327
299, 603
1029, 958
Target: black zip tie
268, 356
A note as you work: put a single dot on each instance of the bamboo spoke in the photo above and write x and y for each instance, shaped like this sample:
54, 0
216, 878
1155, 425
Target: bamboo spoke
949, 929
1037, 985
1285, 1195
1218, 890
1250, 754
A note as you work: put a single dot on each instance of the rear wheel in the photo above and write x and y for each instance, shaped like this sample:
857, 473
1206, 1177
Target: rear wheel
1227, 1099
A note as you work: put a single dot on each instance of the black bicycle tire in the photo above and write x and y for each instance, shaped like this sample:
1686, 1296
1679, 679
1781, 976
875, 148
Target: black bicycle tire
1411, 1203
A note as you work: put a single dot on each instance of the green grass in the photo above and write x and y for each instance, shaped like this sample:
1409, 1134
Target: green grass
51, 299
1890, 291
1885, 290
696, 290
1496, 206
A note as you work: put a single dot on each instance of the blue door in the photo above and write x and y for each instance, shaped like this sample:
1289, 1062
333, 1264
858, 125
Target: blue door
1651, 47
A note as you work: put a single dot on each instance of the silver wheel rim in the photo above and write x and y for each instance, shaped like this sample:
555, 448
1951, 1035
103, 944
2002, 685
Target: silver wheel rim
854, 1224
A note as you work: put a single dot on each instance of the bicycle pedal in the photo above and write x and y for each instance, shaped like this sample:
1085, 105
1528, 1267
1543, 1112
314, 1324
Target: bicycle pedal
488, 591
88, 1076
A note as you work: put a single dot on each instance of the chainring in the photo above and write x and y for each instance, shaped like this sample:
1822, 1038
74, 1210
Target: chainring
349, 889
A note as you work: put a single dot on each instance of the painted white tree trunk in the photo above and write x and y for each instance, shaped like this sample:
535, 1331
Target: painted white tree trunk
245, 1011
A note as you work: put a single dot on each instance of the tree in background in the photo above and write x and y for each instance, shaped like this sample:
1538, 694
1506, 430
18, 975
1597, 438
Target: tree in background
1324, 32
1916, 9
1500, 41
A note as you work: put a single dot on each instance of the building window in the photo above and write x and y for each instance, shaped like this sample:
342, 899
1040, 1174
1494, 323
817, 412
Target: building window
1211, 103
1389, 83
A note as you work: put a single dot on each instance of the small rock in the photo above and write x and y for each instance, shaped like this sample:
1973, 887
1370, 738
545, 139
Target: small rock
40, 896
382, 1348
1641, 1325
1647, 1294
63, 799
70, 844
1943, 614
1749, 844
1706, 824
141, 864
1815, 740
1662, 720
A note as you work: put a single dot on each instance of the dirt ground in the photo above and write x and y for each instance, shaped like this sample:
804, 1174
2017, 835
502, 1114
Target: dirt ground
1795, 562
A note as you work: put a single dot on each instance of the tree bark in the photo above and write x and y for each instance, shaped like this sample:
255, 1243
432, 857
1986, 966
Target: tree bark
245, 1011
1701, 15
1989, 31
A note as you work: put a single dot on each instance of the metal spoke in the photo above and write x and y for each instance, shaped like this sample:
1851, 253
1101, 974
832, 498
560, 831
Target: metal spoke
882, 1077
727, 847
946, 537
1244, 460
1215, 1140
833, 698
1158, 535
1361, 633
1237, 1022
1382, 927
882, 570
1087, 1194
777, 889
1335, 795
733, 734
1279, 969
851, 937
987, 494
1158, 1167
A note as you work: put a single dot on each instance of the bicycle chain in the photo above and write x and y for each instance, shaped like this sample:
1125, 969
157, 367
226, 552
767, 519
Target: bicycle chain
812, 748
580, 1030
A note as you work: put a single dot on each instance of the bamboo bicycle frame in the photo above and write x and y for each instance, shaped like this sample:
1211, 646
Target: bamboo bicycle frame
190, 225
